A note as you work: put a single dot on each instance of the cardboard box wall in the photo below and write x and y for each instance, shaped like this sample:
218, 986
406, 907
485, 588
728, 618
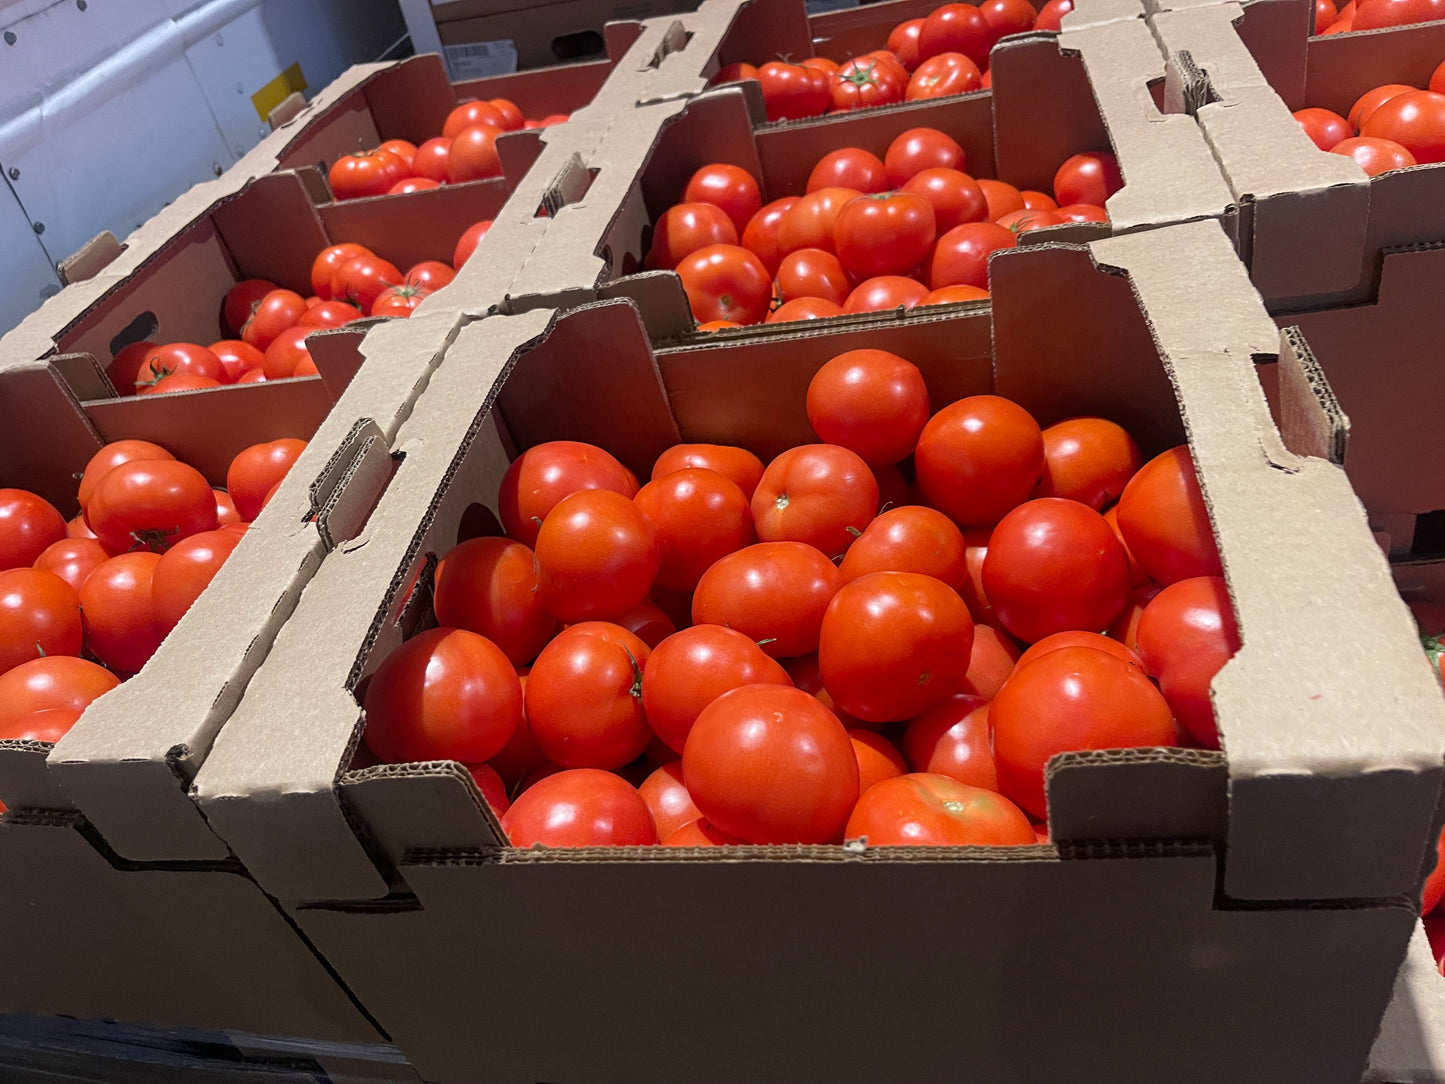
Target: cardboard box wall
1312, 225
1236, 916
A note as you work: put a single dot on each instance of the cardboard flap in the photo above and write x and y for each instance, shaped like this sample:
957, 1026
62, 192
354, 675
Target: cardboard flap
1042, 105
336, 353
290, 108
846, 33
344, 511
1411, 1043
1278, 35
686, 57
1311, 421
45, 437
660, 299
25, 781
90, 258
407, 229
1114, 794
436, 805
271, 231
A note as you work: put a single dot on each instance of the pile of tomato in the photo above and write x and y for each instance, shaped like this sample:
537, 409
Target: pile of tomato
85, 602
1392, 126
869, 233
886, 634
348, 282
465, 151
944, 54
1374, 14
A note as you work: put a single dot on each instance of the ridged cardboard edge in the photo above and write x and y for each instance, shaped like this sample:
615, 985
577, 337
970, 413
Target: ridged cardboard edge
1410, 1048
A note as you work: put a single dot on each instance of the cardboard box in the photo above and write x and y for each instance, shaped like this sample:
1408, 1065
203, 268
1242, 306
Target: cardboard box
1410, 1048
1312, 225
1240, 917
1053, 96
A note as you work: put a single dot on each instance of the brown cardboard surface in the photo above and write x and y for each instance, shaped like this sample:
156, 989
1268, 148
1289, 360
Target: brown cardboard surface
1410, 1048
546, 34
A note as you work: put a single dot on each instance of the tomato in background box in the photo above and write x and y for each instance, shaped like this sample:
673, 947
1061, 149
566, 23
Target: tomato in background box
819, 494
1325, 14
1051, 14
49, 725
445, 694
236, 357
329, 314
489, 586
665, 795
1416, 121
1037, 201
774, 593
554, 119
812, 273
366, 173
1002, 198
185, 570
1125, 628
961, 256
511, 113
39, 616
822, 64
946, 295
468, 242
111, 456
125, 367
430, 274
1366, 104
57, 682
1186, 635
257, 469
955, 28
72, 559
1434, 889
362, 279
400, 301
924, 809
872, 402
808, 223
431, 159
1437, 79
978, 458
883, 235
597, 556
1377, 14
739, 464
955, 197
726, 282
865, 82
192, 359
699, 833
542, 476
1082, 212
122, 628
1375, 156
273, 314
1005, 17
74, 528
179, 382
412, 184
943, 76
240, 300
909, 539
1324, 127
580, 808
584, 697
883, 292
990, 663
804, 308
952, 739
918, 149
328, 261
1022, 221
728, 187
469, 115
792, 92
649, 622
686, 227
1088, 178
1164, 521
1076, 638
286, 353
877, 758
903, 42
849, 167
760, 237
698, 516
400, 148
473, 154
1089, 460
494, 791
150, 504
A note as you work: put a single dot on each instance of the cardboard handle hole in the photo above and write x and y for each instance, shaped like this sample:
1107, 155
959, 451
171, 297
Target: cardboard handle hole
138, 330
1429, 535
581, 45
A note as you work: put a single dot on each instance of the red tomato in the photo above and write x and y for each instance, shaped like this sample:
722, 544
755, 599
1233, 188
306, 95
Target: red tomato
542, 476
1415, 120
1164, 521
597, 557
1186, 635
430, 274
399, 301
256, 470
738, 464
39, 616
179, 382
489, 586
1002, 198
1075, 698
512, 119
692, 668
72, 559
1082, 212
1375, 14
226, 514
868, 81
791, 91
774, 593
949, 295
943, 76
808, 223
1325, 13
113, 455
955, 28
185, 570
761, 235
172, 358
978, 458
1325, 128
919, 149
1137, 576
413, 184
1077, 638
273, 314
584, 697
1051, 14
236, 357
961, 256
909, 539
893, 644
804, 308
770, 764
1125, 628
468, 242
1366, 104
812, 273
1437, 79
990, 663
822, 64
521, 756
493, 789
325, 314
287, 351
329, 261
871, 402
649, 622
726, 282
431, 159
473, 154
1005, 17
470, 114
1024, 220
819, 494
718, 325
125, 366
74, 528
952, 739
849, 167
150, 504
55, 682
48, 725
1375, 156
122, 629
362, 279
366, 173
685, 228
884, 292
883, 235
1434, 889
580, 808
697, 516
1089, 460
668, 799
878, 758
928, 810
1088, 178
240, 300
1037, 201
699, 833
729, 187
955, 197
903, 42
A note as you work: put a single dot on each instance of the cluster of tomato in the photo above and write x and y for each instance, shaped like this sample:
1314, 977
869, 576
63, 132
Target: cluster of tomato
946, 53
1389, 127
1374, 14
830, 646
911, 228
111, 583
348, 282
465, 151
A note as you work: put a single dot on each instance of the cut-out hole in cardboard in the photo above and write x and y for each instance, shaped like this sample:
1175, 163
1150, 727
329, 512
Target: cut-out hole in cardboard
138, 330
582, 45
1429, 535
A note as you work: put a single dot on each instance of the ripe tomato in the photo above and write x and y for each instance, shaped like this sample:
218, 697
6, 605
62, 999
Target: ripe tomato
257, 470
893, 644
72, 559
49, 725
597, 556
125, 367
955, 28
179, 382
1164, 521
1186, 635
1005, 17
1075, 698
726, 282
649, 622
692, 668
469, 115
366, 173
401, 148
1437, 79
1087, 178
770, 764
468, 242
978, 458
1082, 212
903, 42
927, 810
328, 261
909, 539
76, 528
584, 697
697, 516
240, 300
699, 833
948, 295
1024, 220
961, 255
55, 682
116, 600
273, 314
286, 352
819, 494
580, 808
400, 301
512, 119
918, 149
774, 593
1375, 14
884, 235
185, 570
1324, 127
1051, 14
812, 273
878, 758
492, 788
868, 81
446, 694
1137, 576
172, 358
150, 504
729, 187
883, 292
236, 357
39, 616
952, 738
808, 223
1416, 121
1375, 156
871, 402
1077, 638
489, 586
685, 228
542, 476
1366, 104
325, 314
1125, 628
791, 91
1038, 201
1089, 460
362, 279
1002, 198
429, 274
955, 197
431, 159
733, 73
113, 455
473, 154
761, 235
804, 308
668, 799
849, 167
738, 464
943, 76
1434, 888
